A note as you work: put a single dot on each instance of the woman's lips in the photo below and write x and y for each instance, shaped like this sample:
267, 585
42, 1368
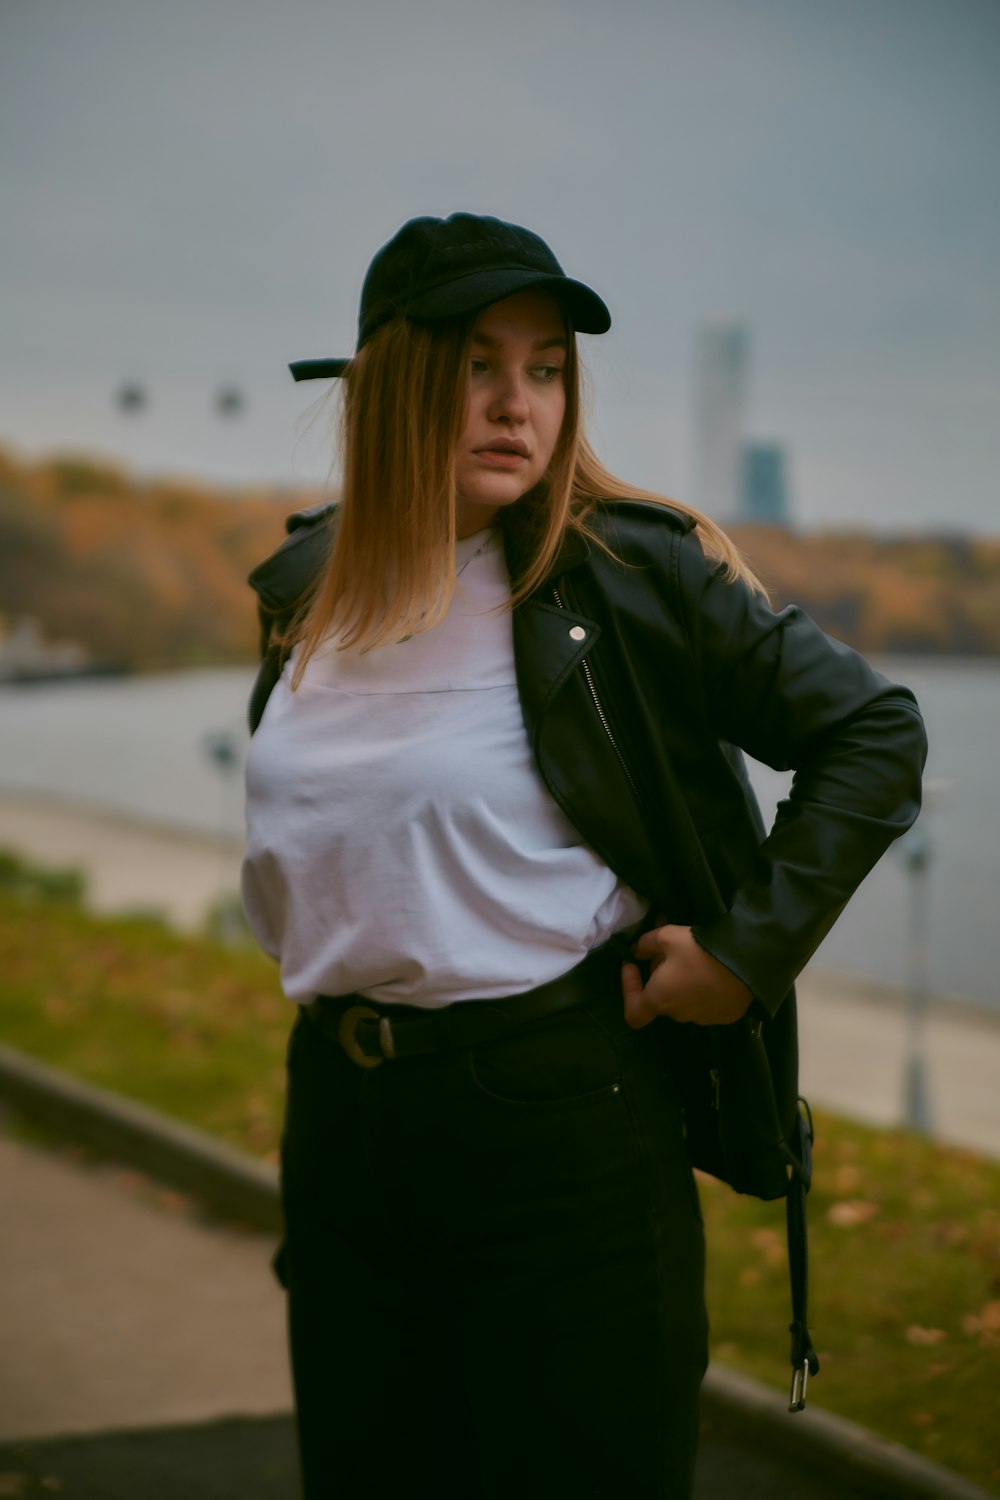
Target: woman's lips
501, 458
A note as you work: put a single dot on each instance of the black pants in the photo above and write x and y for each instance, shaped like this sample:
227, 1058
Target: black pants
494, 1261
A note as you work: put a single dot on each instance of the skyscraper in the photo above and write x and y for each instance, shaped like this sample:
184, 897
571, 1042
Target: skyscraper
721, 357
764, 491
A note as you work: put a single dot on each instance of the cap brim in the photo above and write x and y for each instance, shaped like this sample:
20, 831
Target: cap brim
586, 312
584, 308
317, 369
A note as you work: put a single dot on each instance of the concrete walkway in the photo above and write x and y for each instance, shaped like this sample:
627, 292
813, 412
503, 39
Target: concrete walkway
143, 1344
122, 1308
129, 865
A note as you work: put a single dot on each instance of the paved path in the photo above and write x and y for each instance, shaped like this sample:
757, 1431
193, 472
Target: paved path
853, 1060
121, 1308
129, 865
255, 1460
143, 1350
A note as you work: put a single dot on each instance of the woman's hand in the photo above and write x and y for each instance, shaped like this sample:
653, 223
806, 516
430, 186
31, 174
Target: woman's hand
686, 983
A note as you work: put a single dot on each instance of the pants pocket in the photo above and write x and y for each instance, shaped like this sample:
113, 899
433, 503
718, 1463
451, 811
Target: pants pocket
570, 1060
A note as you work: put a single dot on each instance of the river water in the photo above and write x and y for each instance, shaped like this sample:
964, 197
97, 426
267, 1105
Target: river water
143, 747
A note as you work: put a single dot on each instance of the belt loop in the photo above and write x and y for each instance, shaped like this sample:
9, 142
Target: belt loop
385, 1037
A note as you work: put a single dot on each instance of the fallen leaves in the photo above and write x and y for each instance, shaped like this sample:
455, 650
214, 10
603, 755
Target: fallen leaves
991, 1316
771, 1245
915, 1334
950, 1233
984, 1325
850, 1212
846, 1178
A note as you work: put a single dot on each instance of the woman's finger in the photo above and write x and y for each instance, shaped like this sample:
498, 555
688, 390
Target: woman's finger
650, 945
638, 1010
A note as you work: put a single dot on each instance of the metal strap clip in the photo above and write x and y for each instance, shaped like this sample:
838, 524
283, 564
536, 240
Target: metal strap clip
800, 1379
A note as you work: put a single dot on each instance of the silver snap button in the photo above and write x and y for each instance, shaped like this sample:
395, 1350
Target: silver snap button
616, 1088
578, 633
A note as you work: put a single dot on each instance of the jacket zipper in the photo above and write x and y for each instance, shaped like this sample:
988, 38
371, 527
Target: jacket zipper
602, 715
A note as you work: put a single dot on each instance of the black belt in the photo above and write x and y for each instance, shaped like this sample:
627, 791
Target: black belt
371, 1033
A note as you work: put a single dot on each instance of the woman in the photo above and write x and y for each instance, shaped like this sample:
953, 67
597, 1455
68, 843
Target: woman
502, 693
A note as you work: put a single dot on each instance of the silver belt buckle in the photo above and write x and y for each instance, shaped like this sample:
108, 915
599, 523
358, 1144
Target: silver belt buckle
348, 1040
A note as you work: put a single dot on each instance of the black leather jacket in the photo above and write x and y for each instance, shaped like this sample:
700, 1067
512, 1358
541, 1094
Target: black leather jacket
641, 680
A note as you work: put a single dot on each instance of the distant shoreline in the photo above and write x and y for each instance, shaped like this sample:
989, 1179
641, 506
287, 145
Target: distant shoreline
29, 677
171, 570
103, 671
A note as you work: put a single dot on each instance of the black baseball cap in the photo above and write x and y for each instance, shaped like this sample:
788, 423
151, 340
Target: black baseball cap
441, 268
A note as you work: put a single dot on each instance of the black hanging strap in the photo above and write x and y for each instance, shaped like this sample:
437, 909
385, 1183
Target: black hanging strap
803, 1356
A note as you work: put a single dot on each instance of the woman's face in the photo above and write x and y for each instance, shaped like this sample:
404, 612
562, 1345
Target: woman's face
515, 407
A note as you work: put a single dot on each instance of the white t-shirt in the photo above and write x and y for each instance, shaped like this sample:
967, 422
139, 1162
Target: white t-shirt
401, 843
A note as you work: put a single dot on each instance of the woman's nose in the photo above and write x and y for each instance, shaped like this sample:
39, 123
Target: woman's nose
510, 401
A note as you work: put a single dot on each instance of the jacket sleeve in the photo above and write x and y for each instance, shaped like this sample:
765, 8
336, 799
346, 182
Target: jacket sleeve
790, 696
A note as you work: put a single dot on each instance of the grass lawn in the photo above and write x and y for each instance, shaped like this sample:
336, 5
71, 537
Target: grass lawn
905, 1236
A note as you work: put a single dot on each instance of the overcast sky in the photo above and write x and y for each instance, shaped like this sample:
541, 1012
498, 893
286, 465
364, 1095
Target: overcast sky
192, 191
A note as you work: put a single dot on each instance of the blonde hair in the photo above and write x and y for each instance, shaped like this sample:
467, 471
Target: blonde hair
391, 568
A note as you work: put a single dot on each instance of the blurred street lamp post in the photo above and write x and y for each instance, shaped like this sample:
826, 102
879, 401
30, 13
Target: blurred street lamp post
915, 849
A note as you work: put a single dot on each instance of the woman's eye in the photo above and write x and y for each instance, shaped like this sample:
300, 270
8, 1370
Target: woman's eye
548, 372
478, 366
